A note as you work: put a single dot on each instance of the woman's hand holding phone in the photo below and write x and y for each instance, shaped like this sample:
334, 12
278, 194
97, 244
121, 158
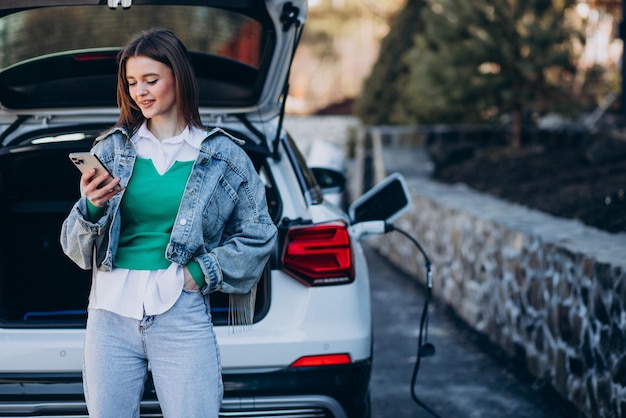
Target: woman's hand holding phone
99, 188
96, 181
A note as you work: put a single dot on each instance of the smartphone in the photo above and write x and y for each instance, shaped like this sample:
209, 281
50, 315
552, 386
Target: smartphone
86, 161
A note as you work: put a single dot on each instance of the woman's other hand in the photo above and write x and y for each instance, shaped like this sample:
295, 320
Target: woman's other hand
190, 283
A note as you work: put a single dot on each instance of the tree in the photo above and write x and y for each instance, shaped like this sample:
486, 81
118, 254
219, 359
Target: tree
478, 61
382, 99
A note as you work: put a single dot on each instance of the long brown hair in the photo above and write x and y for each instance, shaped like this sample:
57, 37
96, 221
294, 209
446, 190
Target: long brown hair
163, 46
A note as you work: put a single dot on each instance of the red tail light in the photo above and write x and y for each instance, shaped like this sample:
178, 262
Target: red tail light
319, 255
322, 360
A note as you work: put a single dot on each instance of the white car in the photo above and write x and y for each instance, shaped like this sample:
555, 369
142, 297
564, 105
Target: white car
309, 352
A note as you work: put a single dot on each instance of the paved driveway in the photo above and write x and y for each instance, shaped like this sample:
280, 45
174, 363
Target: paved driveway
467, 378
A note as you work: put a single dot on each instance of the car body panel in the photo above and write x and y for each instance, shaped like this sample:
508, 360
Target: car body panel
41, 351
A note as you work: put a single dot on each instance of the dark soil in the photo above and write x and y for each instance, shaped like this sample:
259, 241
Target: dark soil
586, 183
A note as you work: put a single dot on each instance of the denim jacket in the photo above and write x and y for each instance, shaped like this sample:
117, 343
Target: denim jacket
222, 223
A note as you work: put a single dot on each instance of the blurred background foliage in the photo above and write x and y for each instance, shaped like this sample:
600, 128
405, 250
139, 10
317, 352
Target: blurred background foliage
508, 62
406, 62
338, 49
497, 61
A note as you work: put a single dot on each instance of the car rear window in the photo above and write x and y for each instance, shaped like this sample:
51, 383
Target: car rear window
37, 32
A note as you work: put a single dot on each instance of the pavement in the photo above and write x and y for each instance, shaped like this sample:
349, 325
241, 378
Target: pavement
468, 377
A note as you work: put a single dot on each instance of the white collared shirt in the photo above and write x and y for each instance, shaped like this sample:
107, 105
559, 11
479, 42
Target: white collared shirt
135, 293
182, 147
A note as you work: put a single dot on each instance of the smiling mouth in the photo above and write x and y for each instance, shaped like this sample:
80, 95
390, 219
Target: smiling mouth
145, 103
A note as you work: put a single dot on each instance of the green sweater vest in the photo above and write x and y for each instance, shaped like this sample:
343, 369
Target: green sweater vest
148, 211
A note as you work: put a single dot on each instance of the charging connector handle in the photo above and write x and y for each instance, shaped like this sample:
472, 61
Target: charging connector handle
369, 228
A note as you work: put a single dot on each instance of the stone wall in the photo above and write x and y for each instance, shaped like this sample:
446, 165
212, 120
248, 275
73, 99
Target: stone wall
549, 291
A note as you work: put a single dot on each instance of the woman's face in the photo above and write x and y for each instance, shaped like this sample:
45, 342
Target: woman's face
152, 87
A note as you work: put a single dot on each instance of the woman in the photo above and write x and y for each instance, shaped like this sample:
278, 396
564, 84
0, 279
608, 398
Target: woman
190, 219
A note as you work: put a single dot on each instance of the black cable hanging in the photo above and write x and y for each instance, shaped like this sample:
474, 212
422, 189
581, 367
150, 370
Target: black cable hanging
424, 348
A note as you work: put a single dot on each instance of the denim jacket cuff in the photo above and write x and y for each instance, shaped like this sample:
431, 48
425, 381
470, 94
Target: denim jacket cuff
212, 275
83, 217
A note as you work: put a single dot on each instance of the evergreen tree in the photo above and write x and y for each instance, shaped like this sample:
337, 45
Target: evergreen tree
382, 100
500, 57
476, 61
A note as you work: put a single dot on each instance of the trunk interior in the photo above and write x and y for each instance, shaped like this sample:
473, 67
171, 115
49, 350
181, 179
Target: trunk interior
39, 286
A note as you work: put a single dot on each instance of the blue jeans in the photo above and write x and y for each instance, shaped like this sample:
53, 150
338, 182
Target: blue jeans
180, 348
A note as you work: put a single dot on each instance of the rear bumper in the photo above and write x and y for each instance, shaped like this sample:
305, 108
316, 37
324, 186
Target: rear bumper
327, 392
293, 406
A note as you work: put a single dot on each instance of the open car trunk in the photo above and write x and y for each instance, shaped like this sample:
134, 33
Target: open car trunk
39, 285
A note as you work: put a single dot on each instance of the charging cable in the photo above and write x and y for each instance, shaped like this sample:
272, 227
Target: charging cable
424, 348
